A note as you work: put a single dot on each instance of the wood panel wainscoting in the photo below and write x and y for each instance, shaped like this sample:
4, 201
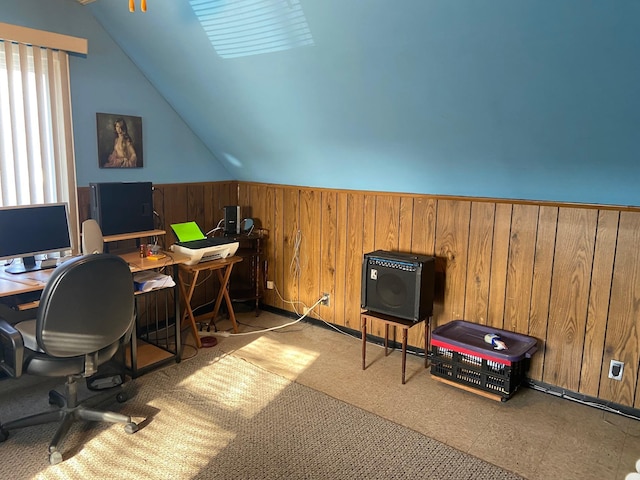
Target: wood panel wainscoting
567, 274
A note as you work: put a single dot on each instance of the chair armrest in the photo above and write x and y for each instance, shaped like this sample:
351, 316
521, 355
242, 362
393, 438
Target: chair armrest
11, 349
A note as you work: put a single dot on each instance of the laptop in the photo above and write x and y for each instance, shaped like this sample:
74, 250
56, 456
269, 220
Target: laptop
189, 235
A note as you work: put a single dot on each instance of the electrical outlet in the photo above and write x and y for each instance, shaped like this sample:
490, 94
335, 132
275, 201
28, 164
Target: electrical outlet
270, 285
615, 369
325, 302
305, 310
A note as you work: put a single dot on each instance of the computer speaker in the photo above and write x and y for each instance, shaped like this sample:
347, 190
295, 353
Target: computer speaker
232, 220
92, 240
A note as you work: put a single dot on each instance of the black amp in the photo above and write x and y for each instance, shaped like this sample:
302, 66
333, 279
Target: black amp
398, 284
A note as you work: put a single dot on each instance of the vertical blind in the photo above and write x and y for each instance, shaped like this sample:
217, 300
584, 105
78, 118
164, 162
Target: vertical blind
36, 142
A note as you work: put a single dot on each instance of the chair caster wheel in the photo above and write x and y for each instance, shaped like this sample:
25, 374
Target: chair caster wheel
131, 428
3, 434
122, 397
55, 458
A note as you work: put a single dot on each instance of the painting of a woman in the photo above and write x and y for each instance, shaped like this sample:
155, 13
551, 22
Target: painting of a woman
121, 149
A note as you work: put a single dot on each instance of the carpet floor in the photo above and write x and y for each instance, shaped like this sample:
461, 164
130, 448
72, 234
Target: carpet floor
218, 416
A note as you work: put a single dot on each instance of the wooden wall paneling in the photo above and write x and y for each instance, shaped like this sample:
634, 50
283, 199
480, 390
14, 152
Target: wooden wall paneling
158, 217
273, 221
328, 252
310, 247
476, 304
387, 223
621, 340
522, 244
541, 287
368, 245
339, 297
195, 207
570, 282
358, 227
499, 264
175, 208
452, 241
579, 295
405, 233
423, 234
291, 255
228, 195
257, 208
598, 308
84, 205
245, 200
212, 213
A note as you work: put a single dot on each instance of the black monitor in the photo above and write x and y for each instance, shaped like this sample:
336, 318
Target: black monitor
122, 207
29, 230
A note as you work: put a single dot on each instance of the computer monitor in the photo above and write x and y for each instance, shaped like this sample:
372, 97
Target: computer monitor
29, 230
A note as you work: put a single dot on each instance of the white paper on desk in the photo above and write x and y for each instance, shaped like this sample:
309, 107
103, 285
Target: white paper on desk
149, 280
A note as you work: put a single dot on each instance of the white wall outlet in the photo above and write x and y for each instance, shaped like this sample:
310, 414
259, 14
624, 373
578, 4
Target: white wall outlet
326, 300
270, 285
615, 369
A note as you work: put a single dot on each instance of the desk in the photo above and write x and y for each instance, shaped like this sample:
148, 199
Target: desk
395, 322
188, 275
144, 352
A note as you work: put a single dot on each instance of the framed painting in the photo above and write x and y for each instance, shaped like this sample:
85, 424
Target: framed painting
119, 141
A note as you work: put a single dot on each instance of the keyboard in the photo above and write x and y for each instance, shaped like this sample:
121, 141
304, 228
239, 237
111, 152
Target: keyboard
205, 242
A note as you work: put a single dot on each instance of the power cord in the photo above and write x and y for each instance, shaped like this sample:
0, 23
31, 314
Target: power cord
228, 334
330, 325
216, 228
294, 266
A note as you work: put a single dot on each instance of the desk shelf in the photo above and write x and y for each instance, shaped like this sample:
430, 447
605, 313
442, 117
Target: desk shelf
133, 235
156, 338
147, 357
247, 280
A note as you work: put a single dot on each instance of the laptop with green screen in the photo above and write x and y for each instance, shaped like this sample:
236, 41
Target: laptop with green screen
187, 231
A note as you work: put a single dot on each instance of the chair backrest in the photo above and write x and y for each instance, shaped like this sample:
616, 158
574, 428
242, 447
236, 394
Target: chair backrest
92, 239
87, 305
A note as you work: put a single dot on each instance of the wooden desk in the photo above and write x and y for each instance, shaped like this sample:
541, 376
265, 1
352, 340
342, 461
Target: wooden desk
395, 322
15, 284
188, 275
144, 352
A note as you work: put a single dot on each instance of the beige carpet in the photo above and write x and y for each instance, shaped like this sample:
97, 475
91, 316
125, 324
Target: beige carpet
218, 416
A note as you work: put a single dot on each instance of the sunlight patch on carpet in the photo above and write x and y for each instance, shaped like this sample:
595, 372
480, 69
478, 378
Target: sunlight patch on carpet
278, 356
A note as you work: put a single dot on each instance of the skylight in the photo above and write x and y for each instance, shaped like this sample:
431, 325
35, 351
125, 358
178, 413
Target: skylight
239, 28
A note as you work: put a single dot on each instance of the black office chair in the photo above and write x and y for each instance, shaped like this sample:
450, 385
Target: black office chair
86, 313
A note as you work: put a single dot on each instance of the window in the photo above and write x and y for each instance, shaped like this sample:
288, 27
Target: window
253, 27
36, 147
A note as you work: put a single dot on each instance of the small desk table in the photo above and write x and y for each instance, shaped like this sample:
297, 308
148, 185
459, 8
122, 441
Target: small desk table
396, 322
223, 268
142, 354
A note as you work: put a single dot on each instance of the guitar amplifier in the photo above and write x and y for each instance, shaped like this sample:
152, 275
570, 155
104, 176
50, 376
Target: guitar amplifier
398, 284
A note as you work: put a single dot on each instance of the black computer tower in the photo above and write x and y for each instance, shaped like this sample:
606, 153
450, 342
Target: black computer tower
122, 207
